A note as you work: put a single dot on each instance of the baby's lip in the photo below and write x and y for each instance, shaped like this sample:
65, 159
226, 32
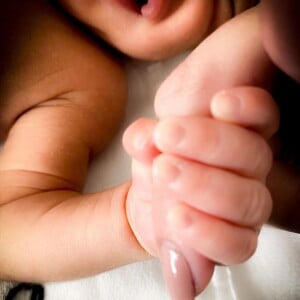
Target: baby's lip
154, 10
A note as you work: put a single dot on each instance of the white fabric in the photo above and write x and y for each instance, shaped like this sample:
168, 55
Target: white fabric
273, 272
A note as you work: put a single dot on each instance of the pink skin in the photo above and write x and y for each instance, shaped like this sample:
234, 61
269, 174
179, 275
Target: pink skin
177, 224
169, 174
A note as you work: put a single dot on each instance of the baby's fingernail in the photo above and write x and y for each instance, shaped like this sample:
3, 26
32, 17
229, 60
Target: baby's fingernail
226, 106
177, 273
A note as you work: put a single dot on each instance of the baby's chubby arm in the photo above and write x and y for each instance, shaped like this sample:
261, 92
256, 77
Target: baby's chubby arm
62, 99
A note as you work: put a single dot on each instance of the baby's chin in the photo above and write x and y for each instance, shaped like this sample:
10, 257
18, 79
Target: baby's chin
158, 48
156, 53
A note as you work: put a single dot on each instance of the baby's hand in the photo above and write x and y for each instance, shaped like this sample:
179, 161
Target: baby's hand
205, 177
199, 174
213, 173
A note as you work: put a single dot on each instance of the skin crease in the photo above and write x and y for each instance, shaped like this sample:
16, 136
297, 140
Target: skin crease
58, 178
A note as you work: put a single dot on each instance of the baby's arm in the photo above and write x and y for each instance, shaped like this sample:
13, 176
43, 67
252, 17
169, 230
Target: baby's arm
62, 99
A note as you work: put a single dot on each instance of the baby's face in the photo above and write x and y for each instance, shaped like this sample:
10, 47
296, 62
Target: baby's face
152, 29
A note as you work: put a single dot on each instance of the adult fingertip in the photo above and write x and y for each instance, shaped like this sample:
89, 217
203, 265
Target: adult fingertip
226, 106
248, 106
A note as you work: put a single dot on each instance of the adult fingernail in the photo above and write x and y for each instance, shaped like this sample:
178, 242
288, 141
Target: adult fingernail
177, 273
226, 106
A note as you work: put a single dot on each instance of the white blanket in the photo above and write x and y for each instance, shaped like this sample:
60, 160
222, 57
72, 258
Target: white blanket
272, 273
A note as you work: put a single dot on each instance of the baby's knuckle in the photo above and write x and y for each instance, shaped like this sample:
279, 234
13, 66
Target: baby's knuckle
243, 248
248, 248
268, 159
267, 204
212, 142
240, 249
264, 159
257, 204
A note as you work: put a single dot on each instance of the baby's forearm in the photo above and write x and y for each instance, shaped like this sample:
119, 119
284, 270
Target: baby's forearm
58, 235
46, 225
62, 100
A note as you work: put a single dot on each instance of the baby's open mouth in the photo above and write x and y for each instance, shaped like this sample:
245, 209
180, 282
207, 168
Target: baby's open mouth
141, 3
152, 9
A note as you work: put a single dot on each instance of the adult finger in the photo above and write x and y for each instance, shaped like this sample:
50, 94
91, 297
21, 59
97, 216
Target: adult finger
207, 70
247, 106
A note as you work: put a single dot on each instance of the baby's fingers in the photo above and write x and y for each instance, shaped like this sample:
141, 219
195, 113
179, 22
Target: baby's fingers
213, 238
138, 140
246, 106
238, 200
215, 143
